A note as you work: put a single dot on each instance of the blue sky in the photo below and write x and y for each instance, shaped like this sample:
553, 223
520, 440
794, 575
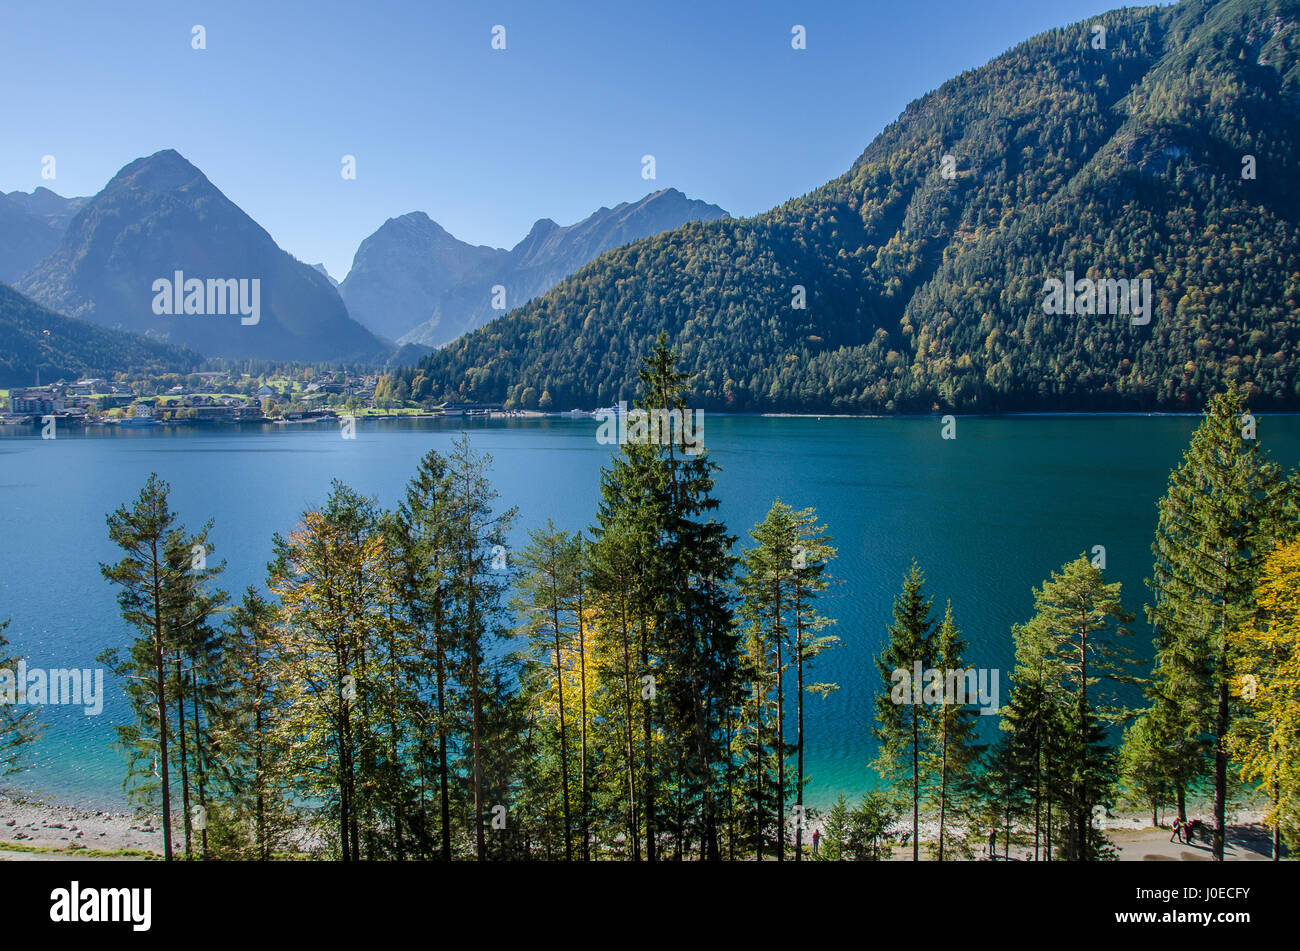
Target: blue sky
486, 142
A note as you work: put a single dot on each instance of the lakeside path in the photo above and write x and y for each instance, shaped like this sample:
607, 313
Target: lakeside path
1245, 843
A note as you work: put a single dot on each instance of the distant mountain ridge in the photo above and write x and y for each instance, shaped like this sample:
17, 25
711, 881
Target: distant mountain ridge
31, 227
48, 205
329, 277
413, 281
399, 273
160, 215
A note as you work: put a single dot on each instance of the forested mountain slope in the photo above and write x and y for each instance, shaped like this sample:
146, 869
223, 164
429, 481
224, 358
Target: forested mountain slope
33, 338
926, 291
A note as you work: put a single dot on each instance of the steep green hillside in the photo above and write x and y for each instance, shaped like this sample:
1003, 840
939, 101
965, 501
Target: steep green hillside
926, 292
32, 337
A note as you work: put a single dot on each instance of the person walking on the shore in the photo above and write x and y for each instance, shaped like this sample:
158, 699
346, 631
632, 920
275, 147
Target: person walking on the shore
1178, 829
993, 844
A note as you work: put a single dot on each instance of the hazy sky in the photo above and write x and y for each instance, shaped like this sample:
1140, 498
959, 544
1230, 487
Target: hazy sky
486, 142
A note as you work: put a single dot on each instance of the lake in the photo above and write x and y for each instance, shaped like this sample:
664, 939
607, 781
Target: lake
988, 515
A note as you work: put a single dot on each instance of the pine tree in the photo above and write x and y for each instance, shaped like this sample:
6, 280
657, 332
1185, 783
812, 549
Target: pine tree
869, 838
783, 575
199, 680
248, 743
1217, 520
19, 726
660, 495
1148, 761
765, 608
156, 595
835, 831
1028, 766
479, 582
617, 617
548, 584
1079, 622
902, 719
421, 530
954, 752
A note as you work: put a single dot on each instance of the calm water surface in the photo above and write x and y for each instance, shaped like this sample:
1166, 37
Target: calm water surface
987, 515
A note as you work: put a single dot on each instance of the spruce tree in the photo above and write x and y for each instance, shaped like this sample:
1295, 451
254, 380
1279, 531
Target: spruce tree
903, 720
480, 579
661, 495
158, 596
1217, 520
548, 583
954, 750
19, 726
1080, 624
783, 576
835, 831
249, 746
422, 530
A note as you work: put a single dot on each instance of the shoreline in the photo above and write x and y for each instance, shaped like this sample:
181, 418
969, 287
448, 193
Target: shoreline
33, 828
36, 826
16, 422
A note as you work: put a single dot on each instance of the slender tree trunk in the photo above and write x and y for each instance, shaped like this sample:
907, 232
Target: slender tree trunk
1220, 751
1006, 836
651, 851
582, 712
564, 740
185, 770
471, 631
916, 786
633, 832
760, 759
160, 693
798, 654
1277, 827
1085, 812
345, 805
780, 737
443, 781
1038, 795
480, 841
943, 777
198, 757
263, 848
1047, 784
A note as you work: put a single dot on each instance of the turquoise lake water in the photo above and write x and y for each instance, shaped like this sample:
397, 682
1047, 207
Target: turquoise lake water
988, 515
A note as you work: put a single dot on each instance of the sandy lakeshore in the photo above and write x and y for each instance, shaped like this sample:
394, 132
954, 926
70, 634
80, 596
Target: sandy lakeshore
31, 824
34, 830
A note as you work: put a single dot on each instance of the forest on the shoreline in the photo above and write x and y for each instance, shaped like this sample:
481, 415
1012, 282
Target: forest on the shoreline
406, 687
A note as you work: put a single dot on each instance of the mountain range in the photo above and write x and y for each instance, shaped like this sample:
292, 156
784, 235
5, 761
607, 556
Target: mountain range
31, 227
414, 282
1153, 144
160, 217
101, 258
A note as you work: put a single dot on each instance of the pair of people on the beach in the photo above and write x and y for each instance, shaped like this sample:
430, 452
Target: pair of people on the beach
1188, 829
